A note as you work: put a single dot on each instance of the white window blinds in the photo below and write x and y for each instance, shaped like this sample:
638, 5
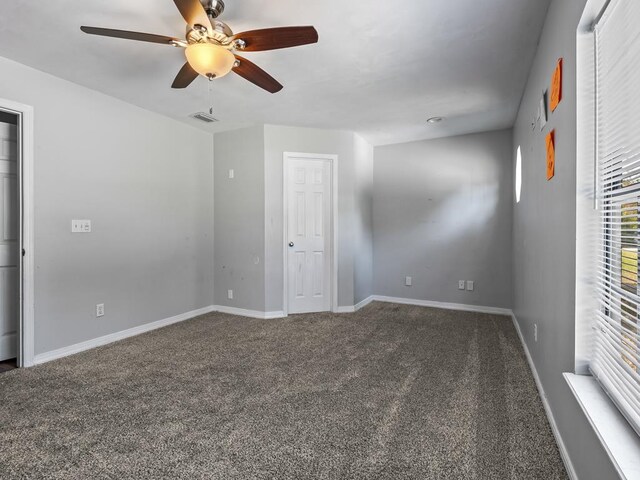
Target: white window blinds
616, 357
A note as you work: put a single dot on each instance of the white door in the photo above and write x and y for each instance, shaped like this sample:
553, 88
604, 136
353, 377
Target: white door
9, 258
309, 235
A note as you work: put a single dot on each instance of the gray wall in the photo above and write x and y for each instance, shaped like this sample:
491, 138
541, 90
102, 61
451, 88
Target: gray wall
363, 220
249, 212
239, 218
308, 140
544, 238
442, 213
146, 183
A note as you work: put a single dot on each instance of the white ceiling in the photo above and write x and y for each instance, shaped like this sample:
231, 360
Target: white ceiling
381, 68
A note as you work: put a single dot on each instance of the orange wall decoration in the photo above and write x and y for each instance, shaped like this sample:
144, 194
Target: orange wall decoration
551, 154
556, 87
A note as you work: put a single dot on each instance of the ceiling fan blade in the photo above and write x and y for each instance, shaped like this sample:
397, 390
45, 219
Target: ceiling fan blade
127, 35
250, 71
193, 12
185, 76
275, 38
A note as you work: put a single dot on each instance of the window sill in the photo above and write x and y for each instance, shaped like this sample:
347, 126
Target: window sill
620, 441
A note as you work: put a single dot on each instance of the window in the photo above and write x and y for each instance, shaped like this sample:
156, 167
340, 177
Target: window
518, 174
616, 357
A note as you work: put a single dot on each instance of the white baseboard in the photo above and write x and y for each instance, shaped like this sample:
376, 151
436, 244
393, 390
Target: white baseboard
346, 309
249, 313
121, 335
447, 306
545, 402
131, 332
113, 337
363, 303
280, 314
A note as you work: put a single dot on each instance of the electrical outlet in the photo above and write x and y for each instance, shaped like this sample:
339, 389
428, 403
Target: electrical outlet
470, 285
100, 310
408, 281
232, 174
80, 226
230, 294
460, 284
535, 332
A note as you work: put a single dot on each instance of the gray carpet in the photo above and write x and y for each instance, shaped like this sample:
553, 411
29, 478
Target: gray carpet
390, 392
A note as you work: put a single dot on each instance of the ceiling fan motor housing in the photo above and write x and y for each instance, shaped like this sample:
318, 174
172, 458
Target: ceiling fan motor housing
219, 33
214, 8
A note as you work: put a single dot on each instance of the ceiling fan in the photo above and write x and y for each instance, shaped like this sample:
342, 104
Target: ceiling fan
210, 44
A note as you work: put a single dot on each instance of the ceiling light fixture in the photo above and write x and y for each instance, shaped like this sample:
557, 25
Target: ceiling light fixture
210, 44
433, 120
210, 60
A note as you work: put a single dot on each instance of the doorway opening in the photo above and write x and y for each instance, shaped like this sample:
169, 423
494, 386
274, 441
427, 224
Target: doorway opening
310, 233
16, 236
9, 242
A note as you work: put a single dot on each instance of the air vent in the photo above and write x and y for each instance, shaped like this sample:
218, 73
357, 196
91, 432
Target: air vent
204, 117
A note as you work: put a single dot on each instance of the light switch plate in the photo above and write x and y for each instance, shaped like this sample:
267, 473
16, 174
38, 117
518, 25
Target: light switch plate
408, 281
470, 285
232, 174
230, 294
80, 226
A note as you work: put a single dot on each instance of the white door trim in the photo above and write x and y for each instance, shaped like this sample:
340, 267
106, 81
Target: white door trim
333, 247
25, 168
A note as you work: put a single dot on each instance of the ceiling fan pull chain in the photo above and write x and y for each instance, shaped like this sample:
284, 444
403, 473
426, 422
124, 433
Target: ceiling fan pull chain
211, 95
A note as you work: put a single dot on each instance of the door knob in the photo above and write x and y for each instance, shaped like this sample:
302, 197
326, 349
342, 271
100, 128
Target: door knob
291, 244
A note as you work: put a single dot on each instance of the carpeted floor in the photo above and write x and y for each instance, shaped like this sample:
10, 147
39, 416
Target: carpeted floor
390, 392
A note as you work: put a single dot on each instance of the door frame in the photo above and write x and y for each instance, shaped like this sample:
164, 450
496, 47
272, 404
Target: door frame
333, 237
26, 331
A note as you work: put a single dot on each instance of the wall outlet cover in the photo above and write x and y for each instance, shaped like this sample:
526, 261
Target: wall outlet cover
460, 284
408, 281
100, 310
470, 284
230, 294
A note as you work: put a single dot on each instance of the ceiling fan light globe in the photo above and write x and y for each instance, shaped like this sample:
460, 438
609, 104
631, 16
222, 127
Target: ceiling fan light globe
210, 60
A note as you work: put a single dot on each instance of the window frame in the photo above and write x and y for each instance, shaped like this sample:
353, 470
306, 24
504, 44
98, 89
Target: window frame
617, 436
